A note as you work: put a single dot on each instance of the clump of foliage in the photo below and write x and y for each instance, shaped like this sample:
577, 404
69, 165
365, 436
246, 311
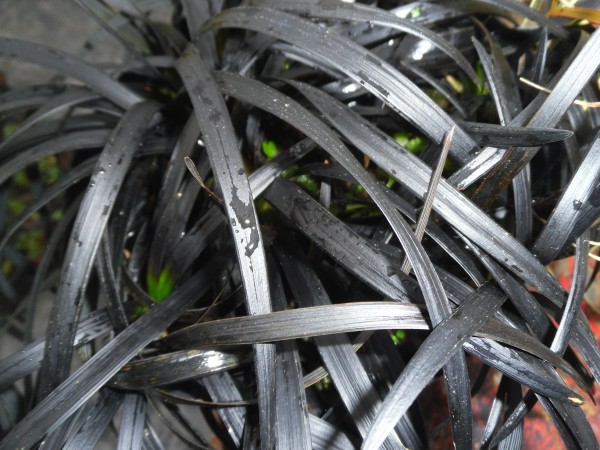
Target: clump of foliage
296, 215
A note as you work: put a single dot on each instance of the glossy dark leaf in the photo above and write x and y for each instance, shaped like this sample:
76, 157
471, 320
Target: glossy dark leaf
440, 345
565, 89
29, 358
96, 421
389, 85
175, 367
488, 134
293, 428
221, 144
109, 173
73, 96
133, 420
327, 9
51, 412
310, 321
68, 142
350, 378
456, 209
69, 65
334, 237
558, 231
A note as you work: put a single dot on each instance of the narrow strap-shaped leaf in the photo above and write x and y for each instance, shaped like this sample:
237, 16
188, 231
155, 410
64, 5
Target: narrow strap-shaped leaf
291, 111
265, 97
92, 218
133, 419
561, 339
500, 135
299, 323
221, 143
573, 304
327, 9
201, 234
589, 350
362, 66
481, 163
455, 251
175, 367
414, 175
77, 140
265, 175
575, 423
500, 332
175, 171
29, 358
171, 201
126, 34
196, 13
65, 181
556, 234
436, 350
222, 388
537, 318
504, 7
63, 401
521, 367
28, 97
327, 437
96, 421
73, 96
508, 102
476, 168
350, 378
70, 66
498, 88
293, 426
494, 416
334, 237
570, 83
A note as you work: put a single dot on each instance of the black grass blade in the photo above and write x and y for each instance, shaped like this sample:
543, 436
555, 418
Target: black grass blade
286, 224
566, 87
221, 144
351, 380
96, 421
304, 322
181, 366
328, 9
95, 210
439, 346
377, 76
456, 209
63, 401
133, 420
333, 236
558, 231
71, 66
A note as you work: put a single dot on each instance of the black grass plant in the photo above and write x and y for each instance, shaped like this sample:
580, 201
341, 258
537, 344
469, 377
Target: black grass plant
292, 217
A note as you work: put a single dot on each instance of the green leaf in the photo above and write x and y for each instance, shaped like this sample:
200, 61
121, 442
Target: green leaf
161, 287
269, 148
